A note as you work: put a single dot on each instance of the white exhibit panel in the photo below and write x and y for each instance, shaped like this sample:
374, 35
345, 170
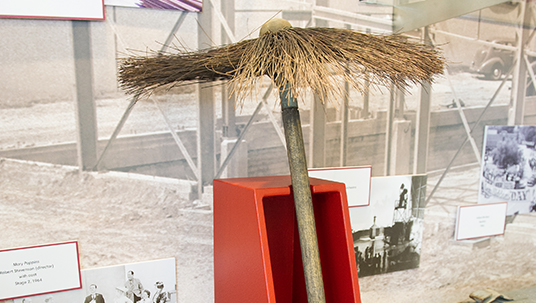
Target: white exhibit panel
53, 9
181, 5
482, 220
356, 180
39, 270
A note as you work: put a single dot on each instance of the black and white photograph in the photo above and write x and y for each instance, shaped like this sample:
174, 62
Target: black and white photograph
388, 233
509, 168
144, 282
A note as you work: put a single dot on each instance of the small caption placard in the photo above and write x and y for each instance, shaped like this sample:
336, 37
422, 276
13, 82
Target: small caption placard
481, 220
356, 180
40, 269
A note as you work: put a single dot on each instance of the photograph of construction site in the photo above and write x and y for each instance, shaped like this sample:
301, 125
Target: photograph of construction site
388, 233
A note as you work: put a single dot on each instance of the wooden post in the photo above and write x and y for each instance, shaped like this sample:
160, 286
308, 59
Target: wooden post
343, 153
318, 117
86, 116
228, 101
317, 133
389, 131
422, 127
517, 99
400, 149
205, 133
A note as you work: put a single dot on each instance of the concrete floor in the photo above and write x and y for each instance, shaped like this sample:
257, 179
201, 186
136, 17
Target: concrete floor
525, 295
460, 187
45, 204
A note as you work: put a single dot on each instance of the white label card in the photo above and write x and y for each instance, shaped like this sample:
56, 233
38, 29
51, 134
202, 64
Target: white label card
39, 269
356, 179
482, 220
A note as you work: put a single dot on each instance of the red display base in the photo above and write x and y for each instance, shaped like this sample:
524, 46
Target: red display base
257, 256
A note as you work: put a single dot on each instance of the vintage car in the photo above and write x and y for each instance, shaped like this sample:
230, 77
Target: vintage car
493, 62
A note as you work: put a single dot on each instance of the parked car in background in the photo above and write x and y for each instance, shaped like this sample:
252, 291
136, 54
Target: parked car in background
494, 62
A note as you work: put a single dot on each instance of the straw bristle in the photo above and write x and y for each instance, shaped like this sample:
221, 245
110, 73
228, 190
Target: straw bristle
317, 58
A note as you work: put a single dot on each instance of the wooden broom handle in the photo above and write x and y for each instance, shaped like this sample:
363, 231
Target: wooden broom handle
302, 198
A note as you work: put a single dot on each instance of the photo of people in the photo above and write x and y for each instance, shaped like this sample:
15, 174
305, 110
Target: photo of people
94, 297
508, 171
133, 287
387, 234
145, 282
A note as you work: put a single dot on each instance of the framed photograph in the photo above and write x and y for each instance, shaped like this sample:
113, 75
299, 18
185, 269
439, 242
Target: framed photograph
53, 9
508, 170
143, 282
388, 233
356, 180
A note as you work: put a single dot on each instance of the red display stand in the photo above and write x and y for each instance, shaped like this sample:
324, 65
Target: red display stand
257, 255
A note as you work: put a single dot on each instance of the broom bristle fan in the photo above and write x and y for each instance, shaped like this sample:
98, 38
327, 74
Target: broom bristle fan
320, 59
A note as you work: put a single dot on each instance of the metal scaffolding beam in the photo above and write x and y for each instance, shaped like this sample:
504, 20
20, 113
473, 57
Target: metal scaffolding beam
519, 84
410, 16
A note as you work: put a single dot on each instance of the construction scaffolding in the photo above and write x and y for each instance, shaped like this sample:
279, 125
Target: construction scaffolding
379, 17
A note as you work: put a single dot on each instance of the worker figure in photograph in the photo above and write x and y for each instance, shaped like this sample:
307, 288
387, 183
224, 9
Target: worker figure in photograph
403, 198
134, 287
